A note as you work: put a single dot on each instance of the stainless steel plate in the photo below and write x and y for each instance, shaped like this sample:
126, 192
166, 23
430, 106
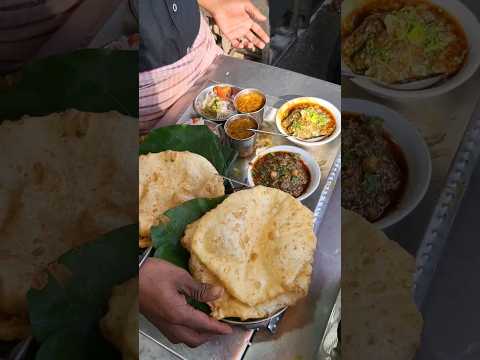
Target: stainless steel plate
270, 323
199, 100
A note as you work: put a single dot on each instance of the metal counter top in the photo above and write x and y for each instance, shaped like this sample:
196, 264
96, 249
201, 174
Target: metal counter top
301, 330
274, 81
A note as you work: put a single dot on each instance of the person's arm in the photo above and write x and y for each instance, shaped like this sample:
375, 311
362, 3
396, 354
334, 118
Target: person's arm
163, 288
238, 21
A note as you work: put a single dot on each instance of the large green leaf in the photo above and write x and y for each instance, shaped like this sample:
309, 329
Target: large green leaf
75, 306
167, 237
196, 139
93, 80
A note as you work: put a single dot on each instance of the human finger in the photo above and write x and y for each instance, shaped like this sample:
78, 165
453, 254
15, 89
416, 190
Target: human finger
239, 30
235, 43
247, 44
201, 322
254, 13
241, 44
254, 41
201, 292
257, 29
197, 290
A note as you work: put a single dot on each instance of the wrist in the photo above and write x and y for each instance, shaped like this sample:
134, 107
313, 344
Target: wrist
210, 5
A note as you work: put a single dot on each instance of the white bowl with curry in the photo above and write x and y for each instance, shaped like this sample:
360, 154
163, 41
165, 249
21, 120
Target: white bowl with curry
309, 121
287, 168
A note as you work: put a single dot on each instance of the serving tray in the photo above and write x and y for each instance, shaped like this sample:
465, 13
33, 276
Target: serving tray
329, 158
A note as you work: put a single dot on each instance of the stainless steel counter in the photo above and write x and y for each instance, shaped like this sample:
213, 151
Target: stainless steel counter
301, 330
274, 81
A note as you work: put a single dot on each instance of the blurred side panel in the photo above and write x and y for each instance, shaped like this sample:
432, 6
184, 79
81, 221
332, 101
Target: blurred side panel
68, 179
410, 83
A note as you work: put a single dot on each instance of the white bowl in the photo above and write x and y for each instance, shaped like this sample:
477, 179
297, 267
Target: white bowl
312, 165
327, 105
471, 27
414, 148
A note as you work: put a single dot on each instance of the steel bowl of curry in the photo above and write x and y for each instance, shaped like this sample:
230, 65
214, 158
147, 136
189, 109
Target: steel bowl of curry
309, 121
251, 102
240, 137
287, 168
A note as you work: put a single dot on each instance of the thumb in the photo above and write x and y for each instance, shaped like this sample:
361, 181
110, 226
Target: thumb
199, 291
254, 13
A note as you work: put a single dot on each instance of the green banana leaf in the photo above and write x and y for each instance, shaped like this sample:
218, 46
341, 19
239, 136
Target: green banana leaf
92, 80
167, 237
65, 314
197, 139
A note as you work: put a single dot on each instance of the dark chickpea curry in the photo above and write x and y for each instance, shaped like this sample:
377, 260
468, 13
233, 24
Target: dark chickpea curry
282, 170
374, 169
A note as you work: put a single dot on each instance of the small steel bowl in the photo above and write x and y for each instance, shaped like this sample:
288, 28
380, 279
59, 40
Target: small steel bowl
245, 147
258, 114
270, 323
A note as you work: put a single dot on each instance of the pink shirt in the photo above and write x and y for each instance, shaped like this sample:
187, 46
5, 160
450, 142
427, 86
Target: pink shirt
161, 88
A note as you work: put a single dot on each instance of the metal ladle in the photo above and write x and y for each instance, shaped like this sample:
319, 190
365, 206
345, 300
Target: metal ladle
315, 139
235, 181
